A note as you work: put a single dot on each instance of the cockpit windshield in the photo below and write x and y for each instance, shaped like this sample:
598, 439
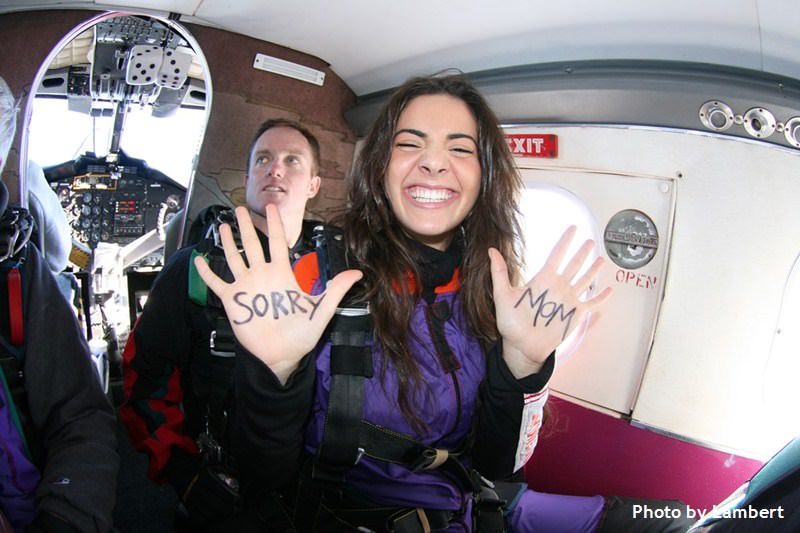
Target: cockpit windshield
169, 147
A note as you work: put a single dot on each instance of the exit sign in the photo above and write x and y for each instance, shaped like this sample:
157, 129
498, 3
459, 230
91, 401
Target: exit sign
532, 145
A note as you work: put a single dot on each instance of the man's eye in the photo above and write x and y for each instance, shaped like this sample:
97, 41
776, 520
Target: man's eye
260, 160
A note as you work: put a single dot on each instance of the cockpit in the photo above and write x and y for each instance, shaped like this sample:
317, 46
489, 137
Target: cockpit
116, 123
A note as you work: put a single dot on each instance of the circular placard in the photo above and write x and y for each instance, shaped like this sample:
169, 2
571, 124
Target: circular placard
631, 239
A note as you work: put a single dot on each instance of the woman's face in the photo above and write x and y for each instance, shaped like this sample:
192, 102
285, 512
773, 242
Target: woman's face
434, 173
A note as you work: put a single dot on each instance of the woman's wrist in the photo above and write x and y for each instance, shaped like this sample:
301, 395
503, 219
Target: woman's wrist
519, 364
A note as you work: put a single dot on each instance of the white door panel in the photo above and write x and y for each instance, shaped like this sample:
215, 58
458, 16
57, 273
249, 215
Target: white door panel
705, 363
606, 368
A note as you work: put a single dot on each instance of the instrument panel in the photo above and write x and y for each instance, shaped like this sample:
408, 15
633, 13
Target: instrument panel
114, 201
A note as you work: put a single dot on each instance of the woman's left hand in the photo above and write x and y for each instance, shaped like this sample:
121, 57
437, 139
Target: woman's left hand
535, 318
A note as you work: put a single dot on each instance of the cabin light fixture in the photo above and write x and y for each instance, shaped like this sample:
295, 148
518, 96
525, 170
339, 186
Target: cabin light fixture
759, 122
791, 130
288, 69
716, 115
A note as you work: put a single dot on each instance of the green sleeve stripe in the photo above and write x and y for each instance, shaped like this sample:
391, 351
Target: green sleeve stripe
198, 290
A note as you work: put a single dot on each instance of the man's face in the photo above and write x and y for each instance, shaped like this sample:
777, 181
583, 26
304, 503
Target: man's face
281, 172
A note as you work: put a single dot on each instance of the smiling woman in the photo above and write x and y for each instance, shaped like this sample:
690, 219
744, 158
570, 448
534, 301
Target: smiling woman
434, 175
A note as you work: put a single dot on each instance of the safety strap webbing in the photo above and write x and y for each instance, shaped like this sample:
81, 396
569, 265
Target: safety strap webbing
351, 363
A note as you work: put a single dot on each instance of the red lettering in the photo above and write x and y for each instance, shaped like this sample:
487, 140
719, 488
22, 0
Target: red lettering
642, 281
533, 145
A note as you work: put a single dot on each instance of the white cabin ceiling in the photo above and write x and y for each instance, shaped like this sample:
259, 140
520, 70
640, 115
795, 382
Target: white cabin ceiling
375, 45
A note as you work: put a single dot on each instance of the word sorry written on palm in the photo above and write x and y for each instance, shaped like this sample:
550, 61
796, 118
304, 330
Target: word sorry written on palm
285, 303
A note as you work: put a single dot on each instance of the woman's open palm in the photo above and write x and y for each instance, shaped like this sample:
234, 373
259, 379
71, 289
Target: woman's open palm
270, 315
535, 318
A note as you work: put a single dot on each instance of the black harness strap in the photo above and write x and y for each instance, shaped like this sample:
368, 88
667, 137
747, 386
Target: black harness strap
222, 357
384, 444
339, 450
220, 387
351, 363
488, 510
215, 393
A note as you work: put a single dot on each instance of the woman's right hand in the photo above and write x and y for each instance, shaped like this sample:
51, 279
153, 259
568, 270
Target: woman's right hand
270, 315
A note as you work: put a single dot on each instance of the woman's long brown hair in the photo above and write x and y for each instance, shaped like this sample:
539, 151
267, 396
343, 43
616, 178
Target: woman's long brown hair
386, 253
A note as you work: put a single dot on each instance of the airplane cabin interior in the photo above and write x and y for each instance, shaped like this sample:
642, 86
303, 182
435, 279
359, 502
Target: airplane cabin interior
680, 159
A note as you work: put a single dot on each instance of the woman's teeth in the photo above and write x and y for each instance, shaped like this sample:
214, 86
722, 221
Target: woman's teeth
430, 195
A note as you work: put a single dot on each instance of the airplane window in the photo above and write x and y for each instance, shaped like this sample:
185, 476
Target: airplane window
168, 145
546, 212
